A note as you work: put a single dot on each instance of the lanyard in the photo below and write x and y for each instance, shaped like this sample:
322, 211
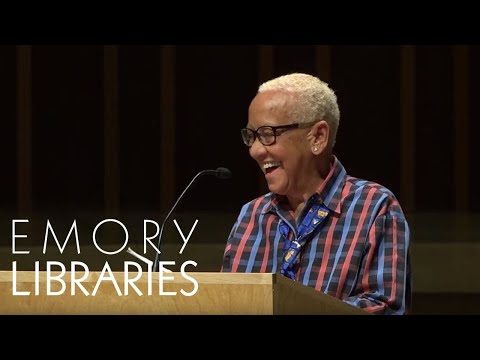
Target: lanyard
292, 247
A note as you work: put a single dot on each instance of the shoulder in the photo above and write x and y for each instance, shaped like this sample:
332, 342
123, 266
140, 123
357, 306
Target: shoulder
250, 213
366, 186
373, 193
257, 205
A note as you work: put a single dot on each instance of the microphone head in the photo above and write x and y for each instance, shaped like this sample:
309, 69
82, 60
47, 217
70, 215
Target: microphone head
223, 173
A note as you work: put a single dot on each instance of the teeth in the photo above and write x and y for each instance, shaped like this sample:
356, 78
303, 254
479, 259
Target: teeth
270, 164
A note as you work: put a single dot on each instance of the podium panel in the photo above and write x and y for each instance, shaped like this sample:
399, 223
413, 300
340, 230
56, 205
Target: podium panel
194, 293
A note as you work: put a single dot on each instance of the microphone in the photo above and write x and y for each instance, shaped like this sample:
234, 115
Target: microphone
221, 173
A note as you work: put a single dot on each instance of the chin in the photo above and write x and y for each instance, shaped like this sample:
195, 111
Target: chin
280, 190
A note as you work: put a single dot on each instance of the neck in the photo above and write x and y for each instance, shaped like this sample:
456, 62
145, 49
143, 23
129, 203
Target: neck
298, 200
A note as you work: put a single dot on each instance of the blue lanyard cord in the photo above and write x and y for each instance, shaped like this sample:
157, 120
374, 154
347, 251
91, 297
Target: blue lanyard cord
292, 247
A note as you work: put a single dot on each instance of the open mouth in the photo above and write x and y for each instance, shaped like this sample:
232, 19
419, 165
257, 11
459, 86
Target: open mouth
270, 170
271, 166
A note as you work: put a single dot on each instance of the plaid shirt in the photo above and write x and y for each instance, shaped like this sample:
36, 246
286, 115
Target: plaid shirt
360, 254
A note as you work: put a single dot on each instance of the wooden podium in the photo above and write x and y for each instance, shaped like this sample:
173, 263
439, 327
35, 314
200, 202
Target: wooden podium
216, 294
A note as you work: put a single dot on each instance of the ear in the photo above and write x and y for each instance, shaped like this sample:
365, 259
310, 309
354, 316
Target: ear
318, 136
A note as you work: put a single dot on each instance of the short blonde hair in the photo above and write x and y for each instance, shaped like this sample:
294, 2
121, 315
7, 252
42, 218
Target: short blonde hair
315, 100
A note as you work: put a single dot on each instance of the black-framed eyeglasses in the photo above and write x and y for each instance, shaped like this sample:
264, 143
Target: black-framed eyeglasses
267, 135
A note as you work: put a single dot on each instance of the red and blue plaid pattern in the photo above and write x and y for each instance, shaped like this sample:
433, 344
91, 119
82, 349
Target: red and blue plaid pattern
360, 254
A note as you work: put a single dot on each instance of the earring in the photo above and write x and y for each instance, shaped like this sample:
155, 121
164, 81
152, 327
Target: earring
315, 149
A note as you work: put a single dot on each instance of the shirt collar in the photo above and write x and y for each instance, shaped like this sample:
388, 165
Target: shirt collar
329, 192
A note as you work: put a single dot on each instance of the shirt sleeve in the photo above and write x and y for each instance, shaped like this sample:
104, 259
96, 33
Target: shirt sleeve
384, 281
226, 263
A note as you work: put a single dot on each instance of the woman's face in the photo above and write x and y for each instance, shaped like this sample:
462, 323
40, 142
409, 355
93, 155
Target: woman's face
286, 162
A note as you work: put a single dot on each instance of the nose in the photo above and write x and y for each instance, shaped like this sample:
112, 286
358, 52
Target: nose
257, 151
